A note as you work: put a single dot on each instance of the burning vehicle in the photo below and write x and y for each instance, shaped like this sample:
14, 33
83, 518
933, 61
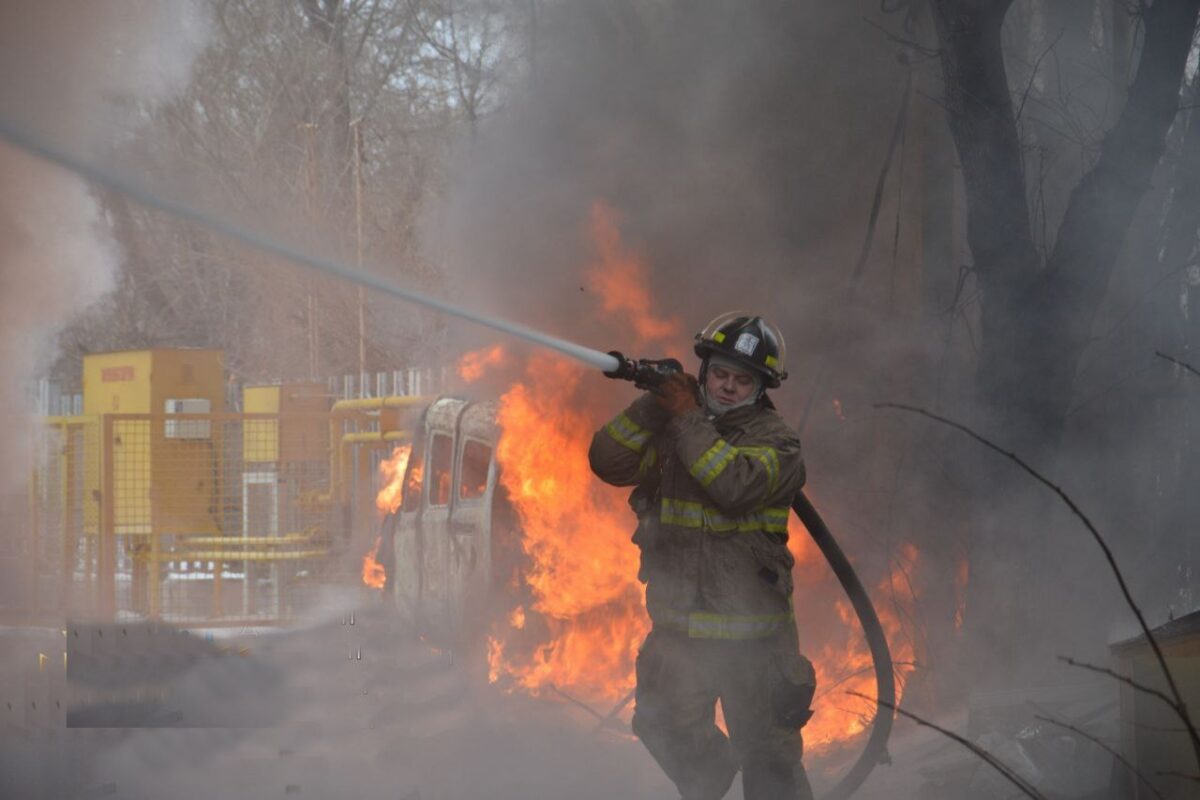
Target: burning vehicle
445, 536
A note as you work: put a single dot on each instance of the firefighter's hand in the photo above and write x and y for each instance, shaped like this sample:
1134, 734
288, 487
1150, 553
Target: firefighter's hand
679, 394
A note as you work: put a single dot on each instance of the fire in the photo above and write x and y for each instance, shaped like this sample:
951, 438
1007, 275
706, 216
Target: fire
373, 574
391, 475
962, 574
619, 278
582, 617
583, 569
843, 662
472, 366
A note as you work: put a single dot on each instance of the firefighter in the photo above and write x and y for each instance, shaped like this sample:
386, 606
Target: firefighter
714, 470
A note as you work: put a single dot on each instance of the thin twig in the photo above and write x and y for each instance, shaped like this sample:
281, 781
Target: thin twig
579, 703
856, 673
1125, 679
1033, 73
912, 44
1170, 773
1110, 750
1183, 364
617, 709
1178, 705
1012, 777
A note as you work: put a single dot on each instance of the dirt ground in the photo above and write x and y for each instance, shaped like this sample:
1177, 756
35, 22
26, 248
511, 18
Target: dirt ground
348, 706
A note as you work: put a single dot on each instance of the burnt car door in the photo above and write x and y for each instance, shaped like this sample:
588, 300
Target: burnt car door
434, 521
469, 557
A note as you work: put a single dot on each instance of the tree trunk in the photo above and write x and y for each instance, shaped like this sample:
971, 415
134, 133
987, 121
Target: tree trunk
1036, 320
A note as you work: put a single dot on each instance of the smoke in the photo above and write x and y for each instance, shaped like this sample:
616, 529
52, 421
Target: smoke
82, 74
728, 139
739, 145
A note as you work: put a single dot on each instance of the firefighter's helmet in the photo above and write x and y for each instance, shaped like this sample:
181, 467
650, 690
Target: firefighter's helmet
746, 339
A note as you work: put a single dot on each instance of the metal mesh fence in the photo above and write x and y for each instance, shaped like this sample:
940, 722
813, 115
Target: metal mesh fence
216, 518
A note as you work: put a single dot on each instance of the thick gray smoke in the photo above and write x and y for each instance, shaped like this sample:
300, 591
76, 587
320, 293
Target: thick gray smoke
728, 138
81, 74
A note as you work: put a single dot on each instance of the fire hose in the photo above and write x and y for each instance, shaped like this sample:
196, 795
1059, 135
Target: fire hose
644, 373
647, 374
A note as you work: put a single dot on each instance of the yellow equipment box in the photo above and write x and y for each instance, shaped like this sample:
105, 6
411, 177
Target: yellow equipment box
161, 451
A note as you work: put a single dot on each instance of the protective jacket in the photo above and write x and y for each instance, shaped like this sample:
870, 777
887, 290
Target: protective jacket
712, 499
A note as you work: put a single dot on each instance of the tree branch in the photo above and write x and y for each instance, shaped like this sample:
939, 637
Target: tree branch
1012, 777
1183, 364
1178, 704
1141, 687
1170, 773
1109, 750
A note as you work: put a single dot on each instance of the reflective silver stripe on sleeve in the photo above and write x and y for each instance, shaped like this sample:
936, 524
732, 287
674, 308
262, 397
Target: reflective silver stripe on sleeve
770, 461
713, 462
627, 433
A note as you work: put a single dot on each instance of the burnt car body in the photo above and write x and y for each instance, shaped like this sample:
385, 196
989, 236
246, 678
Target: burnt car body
448, 546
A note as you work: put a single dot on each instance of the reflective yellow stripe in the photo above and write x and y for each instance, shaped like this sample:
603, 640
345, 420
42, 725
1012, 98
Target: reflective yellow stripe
690, 514
706, 625
770, 461
627, 433
775, 519
713, 462
682, 513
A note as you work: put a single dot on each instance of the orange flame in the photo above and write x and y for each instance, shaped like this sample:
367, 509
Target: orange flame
516, 619
576, 532
585, 617
473, 365
962, 574
843, 662
373, 574
619, 278
391, 475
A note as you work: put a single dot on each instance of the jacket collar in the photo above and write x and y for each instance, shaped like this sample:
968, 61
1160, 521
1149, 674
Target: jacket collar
738, 417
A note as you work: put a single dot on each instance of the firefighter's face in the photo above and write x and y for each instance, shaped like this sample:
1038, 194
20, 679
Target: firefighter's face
728, 386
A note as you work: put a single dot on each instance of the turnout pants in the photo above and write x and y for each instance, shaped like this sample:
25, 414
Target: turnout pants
679, 681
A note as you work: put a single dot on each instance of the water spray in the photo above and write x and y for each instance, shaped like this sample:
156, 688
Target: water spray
30, 143
644, 373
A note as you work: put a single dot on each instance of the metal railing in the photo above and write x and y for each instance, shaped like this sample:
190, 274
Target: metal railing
214, 518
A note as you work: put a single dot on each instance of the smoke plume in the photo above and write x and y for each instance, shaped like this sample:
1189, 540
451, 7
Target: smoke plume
80, 74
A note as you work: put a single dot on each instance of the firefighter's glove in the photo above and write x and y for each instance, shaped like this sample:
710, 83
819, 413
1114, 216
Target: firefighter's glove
679, 394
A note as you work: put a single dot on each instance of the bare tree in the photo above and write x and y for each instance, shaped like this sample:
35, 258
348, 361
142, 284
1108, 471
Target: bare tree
1037, 315
266, 132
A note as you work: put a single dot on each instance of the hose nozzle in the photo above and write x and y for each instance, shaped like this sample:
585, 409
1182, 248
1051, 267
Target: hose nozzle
645, 373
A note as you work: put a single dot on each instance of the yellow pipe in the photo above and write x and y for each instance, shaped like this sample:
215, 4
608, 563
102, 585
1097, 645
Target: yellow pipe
291, 538
66, 421
236, 555
376, 403
375, 436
